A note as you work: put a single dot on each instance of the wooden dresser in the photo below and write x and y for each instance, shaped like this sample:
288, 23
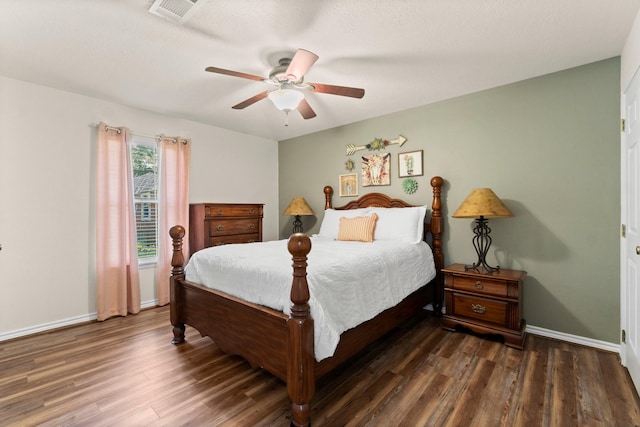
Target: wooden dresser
212, 224
486, 303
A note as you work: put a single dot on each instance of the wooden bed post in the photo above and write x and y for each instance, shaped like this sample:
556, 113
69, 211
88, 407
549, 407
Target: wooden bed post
437, 223
177, 233
328, 194
301, 357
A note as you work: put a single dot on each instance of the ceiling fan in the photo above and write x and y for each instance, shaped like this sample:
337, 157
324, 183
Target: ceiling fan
288, 78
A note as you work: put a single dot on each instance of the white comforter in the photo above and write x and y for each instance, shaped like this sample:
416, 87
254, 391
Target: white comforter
349, 282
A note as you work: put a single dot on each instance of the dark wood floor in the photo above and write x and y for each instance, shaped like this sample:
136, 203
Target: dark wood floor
124, 372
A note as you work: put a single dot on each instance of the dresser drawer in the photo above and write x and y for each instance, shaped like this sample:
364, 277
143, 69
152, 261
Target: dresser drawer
486, 310
479, 285
237, 238
212, 224
233, 210
225, 227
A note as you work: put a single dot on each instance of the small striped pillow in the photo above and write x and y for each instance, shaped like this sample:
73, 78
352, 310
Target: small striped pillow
359, 228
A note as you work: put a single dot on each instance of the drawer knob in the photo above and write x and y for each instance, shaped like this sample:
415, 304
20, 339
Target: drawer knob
479, 285
252, 210
219, 211
477, 308
220, 227
251, 226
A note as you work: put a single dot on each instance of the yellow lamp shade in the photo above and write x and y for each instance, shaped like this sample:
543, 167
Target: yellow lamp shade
482, 202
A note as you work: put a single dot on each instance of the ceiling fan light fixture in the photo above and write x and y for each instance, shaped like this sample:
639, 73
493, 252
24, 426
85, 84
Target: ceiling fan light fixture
286, 99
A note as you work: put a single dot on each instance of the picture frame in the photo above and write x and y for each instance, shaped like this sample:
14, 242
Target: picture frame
376, 170
410, 164
348, 185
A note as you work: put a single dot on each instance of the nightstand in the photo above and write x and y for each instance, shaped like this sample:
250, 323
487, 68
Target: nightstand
485, 303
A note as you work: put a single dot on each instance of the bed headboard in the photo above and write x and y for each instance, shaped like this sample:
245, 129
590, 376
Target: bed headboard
433, 226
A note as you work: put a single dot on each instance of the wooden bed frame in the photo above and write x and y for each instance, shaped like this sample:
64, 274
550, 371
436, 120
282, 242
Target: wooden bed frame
284, 345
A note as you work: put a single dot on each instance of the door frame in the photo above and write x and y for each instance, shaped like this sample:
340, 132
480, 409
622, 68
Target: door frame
625, 316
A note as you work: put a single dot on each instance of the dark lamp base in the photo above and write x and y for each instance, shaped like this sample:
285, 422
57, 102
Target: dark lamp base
297, 225
481, 243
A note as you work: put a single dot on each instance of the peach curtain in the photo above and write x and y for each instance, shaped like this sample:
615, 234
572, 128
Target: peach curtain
118, 283
175, 154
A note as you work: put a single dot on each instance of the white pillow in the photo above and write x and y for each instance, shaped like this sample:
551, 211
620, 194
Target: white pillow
331, 221
403, 224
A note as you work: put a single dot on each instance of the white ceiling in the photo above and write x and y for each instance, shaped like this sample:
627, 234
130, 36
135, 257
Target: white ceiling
404, 53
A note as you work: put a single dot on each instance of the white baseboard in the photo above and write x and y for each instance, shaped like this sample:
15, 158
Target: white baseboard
575, 339
61, 323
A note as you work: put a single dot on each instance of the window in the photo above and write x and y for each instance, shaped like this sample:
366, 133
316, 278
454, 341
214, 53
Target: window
145, 164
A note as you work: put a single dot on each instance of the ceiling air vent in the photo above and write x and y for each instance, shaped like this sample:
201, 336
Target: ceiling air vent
175, 10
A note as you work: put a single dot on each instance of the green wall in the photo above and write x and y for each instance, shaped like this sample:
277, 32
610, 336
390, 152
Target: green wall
548, 147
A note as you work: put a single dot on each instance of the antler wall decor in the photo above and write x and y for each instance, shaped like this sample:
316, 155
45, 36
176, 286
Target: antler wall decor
376, 144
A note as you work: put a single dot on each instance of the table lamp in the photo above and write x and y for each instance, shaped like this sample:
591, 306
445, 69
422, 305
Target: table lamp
297, 208
482, 204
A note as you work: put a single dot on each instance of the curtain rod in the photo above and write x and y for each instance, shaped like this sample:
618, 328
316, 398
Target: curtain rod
118, 130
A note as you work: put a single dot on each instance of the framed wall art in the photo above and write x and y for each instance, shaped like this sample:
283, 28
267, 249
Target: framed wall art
410, 164
376, 169
348, 185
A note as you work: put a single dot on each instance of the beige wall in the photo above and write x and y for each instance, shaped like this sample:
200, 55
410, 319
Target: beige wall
549, 147
47, 195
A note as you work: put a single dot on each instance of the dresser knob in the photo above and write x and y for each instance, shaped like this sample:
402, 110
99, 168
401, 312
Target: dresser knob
479, 285
219, 211
220, 227
252, 210
477, 308
251, 226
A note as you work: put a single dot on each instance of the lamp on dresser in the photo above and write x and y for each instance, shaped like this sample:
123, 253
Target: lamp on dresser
298, 207
482, 204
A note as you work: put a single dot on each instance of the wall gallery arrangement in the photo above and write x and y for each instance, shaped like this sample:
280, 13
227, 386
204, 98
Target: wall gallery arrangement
376, 168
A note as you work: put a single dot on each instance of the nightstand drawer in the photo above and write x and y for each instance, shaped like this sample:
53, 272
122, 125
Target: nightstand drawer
483, 309
479, 285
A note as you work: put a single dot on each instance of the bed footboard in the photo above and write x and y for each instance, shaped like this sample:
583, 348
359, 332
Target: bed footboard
281, 344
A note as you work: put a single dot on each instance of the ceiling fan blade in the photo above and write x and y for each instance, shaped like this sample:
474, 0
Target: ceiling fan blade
353, 92
234, 73
300, 64
252, 100
305, 110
